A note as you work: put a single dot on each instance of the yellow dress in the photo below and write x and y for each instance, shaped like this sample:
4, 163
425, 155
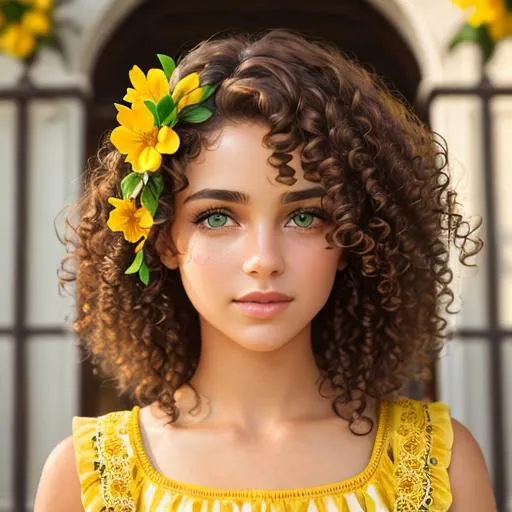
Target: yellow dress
407, 470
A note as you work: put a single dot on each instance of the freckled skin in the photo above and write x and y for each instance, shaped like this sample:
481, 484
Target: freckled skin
260, 246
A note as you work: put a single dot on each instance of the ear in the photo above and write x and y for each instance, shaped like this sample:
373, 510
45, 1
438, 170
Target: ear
167, 257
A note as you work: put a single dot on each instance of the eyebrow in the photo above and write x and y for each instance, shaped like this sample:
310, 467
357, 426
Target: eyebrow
239, 197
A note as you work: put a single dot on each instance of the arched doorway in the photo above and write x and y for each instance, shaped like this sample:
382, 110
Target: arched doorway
357, 27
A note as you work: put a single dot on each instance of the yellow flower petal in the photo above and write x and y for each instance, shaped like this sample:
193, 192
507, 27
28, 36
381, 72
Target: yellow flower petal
142, 119
138, 79
120, 216
133, 222
190, 99
168, 141
121, 203
153, 87
123, 139
131, 95
140, 245
37, 22
17, 41
132, 232
184, 86
149, 160
158, 86
144, 218
125, 116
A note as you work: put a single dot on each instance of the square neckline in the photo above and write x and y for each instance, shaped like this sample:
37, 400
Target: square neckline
347, 485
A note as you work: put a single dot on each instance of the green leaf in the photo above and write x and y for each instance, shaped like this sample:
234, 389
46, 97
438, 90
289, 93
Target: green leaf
470, 34
13, 11
157, 181
136, 263
196, 114
165, 108
156, 185
508, 5
144, 274
171, 119
153, 109
208, 90
168, 64
149, 201
129, 184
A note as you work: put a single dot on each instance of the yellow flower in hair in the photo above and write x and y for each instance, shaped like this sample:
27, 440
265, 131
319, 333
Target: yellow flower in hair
152, 87
142, 141
17, 41
135, 223
187, 92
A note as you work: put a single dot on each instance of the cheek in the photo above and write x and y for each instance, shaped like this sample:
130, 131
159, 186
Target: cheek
316, 265
203, 255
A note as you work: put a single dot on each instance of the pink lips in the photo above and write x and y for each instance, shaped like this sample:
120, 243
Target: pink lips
263, 304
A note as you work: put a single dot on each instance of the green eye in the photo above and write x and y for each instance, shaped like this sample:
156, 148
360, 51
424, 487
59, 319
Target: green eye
303, 220
217, 220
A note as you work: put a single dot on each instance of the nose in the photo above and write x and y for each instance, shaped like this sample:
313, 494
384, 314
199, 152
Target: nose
263, 253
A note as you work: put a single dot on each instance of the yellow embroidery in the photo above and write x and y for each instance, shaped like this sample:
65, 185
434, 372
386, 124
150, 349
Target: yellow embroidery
412, 470
115, 463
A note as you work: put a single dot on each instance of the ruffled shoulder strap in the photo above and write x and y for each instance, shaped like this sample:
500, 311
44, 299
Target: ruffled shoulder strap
421, 439
109, 476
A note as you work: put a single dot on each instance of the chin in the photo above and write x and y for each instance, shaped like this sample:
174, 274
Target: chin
261, 341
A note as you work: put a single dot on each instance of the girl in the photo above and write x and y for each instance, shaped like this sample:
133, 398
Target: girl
260, 260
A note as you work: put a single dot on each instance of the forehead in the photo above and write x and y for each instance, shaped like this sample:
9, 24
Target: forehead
238, 160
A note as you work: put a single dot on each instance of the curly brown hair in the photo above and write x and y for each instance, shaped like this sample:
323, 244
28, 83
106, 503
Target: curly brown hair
388, 195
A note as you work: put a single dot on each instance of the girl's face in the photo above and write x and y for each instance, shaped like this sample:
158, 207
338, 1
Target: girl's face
262, 237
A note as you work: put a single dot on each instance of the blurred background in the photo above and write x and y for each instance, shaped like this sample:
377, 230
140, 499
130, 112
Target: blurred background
62, 66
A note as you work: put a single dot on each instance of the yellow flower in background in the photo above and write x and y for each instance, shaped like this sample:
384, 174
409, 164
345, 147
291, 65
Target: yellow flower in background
187, 92
483, 11
142, 141
135, 223
17, 41
37, 22
39, 4
501, 26
493, 13
152, 87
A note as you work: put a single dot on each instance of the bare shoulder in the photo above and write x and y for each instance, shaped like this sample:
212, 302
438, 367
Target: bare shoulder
59, 485
469, 477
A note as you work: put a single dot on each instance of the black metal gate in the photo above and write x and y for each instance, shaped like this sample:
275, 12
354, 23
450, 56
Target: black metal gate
494, 333
21, 95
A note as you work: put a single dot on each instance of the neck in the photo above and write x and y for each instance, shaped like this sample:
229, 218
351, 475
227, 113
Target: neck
256, 389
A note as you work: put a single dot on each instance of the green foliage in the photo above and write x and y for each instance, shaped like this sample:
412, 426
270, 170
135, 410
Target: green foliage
154, 110
167, 63
470, 34
166, 111
195, 114
151, 193
136, 263
13, 11
129, 184
144, 273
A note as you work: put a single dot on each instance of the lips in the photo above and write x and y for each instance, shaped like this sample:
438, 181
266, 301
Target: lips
264, 297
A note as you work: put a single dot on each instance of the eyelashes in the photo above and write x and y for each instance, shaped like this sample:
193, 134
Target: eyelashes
200, 217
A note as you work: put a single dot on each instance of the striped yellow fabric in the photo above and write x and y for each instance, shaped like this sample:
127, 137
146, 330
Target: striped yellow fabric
407, 470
